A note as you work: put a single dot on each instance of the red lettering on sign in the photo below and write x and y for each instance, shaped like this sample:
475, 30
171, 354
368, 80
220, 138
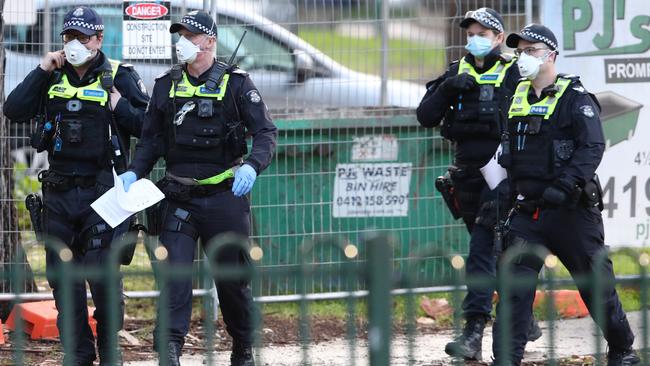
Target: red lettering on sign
146, 11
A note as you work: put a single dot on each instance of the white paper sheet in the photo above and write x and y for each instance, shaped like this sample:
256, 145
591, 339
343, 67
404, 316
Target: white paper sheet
116, 205
493, 173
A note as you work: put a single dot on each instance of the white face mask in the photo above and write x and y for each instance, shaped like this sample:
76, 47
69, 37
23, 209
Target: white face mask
186, 51
529, 65
76, 53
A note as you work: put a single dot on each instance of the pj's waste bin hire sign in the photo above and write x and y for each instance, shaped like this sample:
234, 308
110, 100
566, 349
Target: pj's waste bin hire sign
145, 30
607, 43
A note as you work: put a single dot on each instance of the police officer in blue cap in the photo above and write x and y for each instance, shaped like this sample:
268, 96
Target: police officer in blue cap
554, 144
470, 100
200, 112
87, 106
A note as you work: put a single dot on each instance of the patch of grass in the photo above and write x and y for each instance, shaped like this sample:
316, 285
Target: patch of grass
407, 60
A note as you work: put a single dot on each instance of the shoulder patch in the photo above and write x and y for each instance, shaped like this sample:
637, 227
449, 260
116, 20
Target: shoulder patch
253, 96
587, 111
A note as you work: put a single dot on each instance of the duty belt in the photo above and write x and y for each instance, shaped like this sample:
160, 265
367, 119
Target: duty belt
184, 189
60, 182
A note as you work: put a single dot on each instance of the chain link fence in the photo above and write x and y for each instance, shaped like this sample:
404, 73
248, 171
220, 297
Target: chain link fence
341, 78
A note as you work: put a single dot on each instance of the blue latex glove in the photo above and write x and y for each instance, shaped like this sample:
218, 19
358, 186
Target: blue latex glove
128, 178
244, 179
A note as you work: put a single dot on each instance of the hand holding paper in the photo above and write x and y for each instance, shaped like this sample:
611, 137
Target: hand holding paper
493, 173
117, 205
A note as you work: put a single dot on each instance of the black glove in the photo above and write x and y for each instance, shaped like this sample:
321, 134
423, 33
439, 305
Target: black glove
458, 84
555, 196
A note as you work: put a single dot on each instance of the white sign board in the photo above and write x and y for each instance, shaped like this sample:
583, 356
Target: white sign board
375, 148
145, 31
607, 45
371, 190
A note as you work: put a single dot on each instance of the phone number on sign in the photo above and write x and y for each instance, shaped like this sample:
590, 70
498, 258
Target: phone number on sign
359, 201
630, 191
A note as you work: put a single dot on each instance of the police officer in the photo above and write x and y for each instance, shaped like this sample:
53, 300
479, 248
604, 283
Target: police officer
199, 114
472, 96
555, 143
82, 100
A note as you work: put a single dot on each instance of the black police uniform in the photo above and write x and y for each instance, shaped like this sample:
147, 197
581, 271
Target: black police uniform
80, 171
561, 152
476, 139
208, 141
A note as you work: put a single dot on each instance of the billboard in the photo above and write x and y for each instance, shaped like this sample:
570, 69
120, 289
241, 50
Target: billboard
606, 43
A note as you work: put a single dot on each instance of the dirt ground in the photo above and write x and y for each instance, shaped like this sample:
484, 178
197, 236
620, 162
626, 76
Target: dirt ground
275, 331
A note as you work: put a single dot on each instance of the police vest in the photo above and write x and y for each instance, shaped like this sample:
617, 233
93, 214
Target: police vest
476, 112
201, 126
540, 144
83, 118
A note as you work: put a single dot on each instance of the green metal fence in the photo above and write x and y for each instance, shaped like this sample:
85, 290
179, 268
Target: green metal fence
369, 266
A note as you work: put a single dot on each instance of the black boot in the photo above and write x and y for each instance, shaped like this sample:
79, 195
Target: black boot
104, 356
242, 355
173, 354
469, 344
622, 357
534, 332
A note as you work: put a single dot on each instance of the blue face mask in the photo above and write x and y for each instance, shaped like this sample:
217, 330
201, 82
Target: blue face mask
479, 46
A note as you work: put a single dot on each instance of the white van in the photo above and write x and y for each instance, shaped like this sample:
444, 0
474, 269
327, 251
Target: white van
290, 73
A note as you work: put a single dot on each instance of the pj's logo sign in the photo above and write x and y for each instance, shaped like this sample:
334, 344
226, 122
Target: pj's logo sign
580, 16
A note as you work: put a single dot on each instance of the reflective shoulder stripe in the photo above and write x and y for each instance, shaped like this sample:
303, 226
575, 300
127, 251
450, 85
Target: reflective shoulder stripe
495, 75
545, 107
92, 92
202, 91
115, 64
520, 106
184, 89
62, 89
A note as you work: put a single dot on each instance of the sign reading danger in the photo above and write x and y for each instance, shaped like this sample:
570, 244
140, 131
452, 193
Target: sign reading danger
145, 29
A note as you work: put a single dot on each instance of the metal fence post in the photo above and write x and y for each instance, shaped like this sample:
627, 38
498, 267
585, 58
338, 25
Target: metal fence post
379, 272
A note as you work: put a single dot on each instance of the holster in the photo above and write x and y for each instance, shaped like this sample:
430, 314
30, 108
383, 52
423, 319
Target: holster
34, 205
445, 186
592, 194
155, 216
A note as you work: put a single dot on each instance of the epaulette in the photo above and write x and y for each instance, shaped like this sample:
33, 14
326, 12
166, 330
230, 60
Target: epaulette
569, 76
237, 70
506, 57
128, 66
163, 74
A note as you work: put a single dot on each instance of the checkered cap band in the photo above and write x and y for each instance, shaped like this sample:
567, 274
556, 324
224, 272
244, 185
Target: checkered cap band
78, 23
203, 28
485, 17
540, 38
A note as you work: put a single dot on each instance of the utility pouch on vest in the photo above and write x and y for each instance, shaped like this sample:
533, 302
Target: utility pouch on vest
487, 111
445, 186
236, 137
73, 132
534, 125
42, 138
